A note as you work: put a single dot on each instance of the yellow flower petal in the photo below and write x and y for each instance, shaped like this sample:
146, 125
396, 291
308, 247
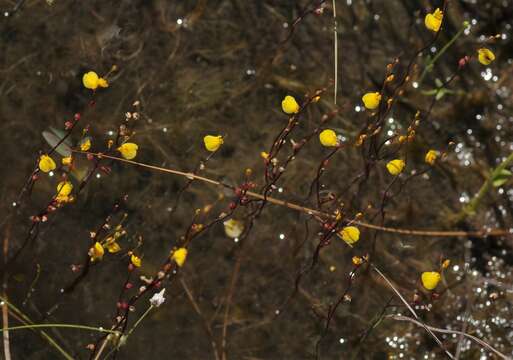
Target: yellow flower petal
357, 260
85, 144
289, 105
66, 161
430, 279
113, 247
179, 256
64, 188
328, 138
103, 83
96, 252
90, 80
135, 260
485, 56
395, 167
128, 150
350, 234
433, 21
46, 163
446, 263
371, 100
213, 143
430, 157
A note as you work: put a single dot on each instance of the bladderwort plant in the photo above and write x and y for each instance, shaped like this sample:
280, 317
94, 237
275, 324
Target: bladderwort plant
349, 203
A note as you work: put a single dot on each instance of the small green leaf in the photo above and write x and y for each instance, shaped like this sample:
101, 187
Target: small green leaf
440, 94
429, 92
438, 82
501, 178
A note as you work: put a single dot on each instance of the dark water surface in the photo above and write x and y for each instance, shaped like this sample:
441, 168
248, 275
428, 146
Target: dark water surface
222, 67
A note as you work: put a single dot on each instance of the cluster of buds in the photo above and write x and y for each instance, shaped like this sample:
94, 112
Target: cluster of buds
70, 123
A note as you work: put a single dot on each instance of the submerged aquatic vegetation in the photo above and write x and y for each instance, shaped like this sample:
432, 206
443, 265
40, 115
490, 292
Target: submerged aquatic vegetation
262, 216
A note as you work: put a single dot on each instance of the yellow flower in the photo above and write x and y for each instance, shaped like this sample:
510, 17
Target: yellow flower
328, 138
103, 83
64, 188
395, 167
433, 21
85, 144
128, 150
350, 234
485, 56
135, 260
289, 105
446, 263
430, 157
46, 163
357, 260
64, 196
92, 81
179, 256
371, 100
213, 143
66, 161
113, 247
233, 228
96, 252
264, 155
430, 279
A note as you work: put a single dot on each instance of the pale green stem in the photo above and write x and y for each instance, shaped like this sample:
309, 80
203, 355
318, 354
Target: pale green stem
48, 338
140, 319
431, 63
335, 50
69, 326
471, 207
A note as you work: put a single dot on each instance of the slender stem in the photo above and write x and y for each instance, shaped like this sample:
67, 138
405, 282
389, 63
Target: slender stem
471, 207
431, 62
69, 326
335, 51
447, 331
306, 210
408, 306
140, 319
16, 313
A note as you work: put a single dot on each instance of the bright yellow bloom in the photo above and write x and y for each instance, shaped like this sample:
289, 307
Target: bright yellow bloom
213, 143
135, 260
264, 155
430, 157
357, 260
66, 161
179, 256
92, 81
433, 21
328, 138
430, 279
350, 234
371, 100
85, 144
395, 167
128, 150
64, 188
113, 247
96, 252
485, 56
46, 163
289, 105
